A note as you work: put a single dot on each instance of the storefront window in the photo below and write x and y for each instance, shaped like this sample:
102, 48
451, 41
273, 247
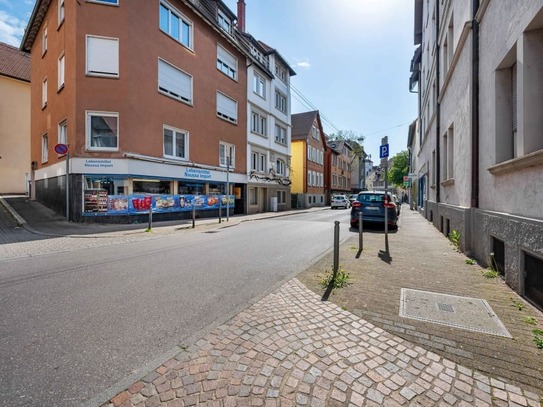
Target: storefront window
217, 189
111, 185
191, 188
152, 186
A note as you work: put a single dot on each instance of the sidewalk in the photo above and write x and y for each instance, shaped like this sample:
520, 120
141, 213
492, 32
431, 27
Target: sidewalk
292, 349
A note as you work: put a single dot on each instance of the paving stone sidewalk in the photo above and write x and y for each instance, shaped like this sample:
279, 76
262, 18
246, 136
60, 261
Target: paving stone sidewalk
292, 349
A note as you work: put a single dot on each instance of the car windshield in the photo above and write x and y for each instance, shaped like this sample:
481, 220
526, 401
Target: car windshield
371, 197
338, 197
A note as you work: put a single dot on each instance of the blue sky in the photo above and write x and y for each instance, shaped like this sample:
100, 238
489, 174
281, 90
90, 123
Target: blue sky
351, 58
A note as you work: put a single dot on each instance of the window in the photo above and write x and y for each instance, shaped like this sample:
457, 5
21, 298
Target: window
258, 123
114, 2
175, 24
258, 162
62, 133
309, 178
309, 152
281, 197
226, 151
448, 154
227, 108
102, 56
60, 11
174, 83
280, 101
280, 134
175, 143
280, 167
44, 93
102, 131
281, 72
44, 41
224, 22
315, 132
259, 85
61, 68
227, 63
44, 148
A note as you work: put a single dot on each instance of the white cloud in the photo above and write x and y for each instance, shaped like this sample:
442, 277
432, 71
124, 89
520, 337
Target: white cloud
302, 63
11, 29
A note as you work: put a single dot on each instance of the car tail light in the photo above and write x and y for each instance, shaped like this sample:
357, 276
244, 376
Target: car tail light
389, 205
357, 204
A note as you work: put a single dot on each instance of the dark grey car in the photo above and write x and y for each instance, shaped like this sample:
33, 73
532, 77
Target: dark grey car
373, 205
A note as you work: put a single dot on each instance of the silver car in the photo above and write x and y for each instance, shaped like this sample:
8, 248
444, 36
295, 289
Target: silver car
340, 201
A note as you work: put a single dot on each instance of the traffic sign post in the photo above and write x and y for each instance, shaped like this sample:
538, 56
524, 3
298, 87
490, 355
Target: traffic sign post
383, 154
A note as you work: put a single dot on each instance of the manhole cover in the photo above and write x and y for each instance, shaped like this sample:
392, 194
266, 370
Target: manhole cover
473, 314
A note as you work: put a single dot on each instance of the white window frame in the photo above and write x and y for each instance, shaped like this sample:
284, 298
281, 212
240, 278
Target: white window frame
44, 93
281, 197
228, 148
227, 63
101, 67
181, 88
61, 71
280, 134
88, 115
225, 112
259, 123
44, 148
105, 2
175, 131
61, 12
172, 11
62, 132
253, 196
224, 22
259, 85
280, 101
281, 72
259, 162
280, 167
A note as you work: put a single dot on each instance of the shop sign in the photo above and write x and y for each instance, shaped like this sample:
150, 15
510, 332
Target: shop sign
196, 173
98, 163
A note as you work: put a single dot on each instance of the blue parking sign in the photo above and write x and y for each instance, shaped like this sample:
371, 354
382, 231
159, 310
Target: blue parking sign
383, 151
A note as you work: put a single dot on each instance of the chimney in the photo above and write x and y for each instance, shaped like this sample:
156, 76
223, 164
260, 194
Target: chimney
241, 15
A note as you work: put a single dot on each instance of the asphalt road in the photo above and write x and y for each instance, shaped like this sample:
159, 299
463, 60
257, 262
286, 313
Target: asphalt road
74, 324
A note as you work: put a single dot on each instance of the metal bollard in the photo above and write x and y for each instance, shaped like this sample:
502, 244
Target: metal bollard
150, 217
193, 215
360, 232
220, 210
336, 247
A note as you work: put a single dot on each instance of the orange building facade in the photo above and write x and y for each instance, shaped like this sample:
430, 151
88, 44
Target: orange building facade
149, 96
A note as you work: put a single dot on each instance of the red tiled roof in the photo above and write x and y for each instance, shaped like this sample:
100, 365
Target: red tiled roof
14, 63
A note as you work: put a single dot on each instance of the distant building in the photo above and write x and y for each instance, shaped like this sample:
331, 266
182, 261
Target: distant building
14, 120
341, 159
308, 163
478, 157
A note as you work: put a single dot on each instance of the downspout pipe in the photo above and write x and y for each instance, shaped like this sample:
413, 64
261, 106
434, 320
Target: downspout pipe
438, 110
475, 108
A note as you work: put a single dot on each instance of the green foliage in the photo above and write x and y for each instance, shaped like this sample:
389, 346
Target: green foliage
354, 139
399, 168
341, 280
538, 338
490, 273
519, 305
470, 262
530, 320
454, 237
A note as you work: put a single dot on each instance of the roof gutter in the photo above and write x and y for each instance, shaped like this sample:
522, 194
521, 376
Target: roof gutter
475, 107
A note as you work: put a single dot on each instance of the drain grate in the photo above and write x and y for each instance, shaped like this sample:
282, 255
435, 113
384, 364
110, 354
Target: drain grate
445, 307
472, 314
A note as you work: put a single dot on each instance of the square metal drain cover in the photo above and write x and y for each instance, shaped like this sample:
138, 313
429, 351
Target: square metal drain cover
473, 314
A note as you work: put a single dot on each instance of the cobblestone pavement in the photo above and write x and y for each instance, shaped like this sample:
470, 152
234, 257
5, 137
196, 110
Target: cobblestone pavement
292, 349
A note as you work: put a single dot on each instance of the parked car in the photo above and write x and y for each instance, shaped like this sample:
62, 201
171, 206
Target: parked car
373, 206
352, 198
340, 201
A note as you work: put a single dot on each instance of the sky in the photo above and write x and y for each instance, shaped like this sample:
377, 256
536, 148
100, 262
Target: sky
351, 59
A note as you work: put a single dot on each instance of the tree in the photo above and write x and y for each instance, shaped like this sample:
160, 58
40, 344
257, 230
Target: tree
399, 168
354, 139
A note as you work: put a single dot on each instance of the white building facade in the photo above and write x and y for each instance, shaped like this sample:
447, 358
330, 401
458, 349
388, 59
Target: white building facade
478, 159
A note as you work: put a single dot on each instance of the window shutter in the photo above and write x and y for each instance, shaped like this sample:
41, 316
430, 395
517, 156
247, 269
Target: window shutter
226, 57
227, 106
174, 81
103, 55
